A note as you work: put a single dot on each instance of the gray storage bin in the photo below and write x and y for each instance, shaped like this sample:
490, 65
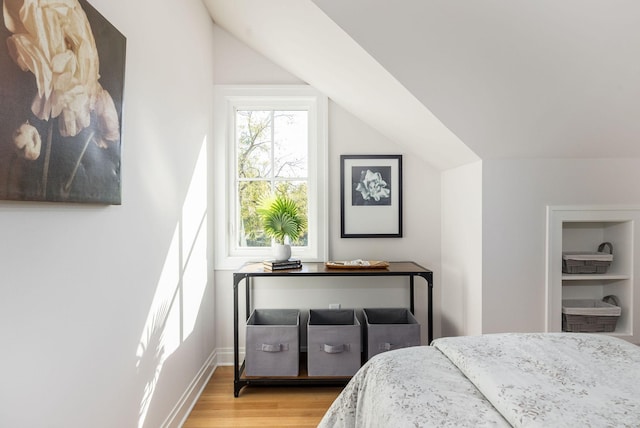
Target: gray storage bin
333, 342
273, 343
389, 328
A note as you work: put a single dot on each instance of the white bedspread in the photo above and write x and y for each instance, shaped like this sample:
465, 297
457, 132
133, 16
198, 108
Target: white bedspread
411, 387
529, 380
553, 379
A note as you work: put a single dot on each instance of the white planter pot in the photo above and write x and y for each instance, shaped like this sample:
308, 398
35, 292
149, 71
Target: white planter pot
281, 252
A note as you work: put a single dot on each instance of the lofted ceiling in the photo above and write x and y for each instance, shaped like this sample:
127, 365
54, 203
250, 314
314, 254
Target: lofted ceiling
454, 81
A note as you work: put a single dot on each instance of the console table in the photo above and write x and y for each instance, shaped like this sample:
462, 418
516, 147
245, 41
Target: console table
253, 270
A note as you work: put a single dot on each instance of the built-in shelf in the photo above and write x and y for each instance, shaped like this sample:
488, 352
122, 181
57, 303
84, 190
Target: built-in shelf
583, 228
593, 277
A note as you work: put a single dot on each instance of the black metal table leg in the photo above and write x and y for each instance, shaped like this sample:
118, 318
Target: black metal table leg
236, 351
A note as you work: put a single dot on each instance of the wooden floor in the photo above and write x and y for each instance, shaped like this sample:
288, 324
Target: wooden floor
259, 406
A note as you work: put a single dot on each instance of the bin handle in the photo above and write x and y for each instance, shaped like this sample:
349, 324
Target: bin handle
391, 346
611, 299
268, 347
609, 246
335, 349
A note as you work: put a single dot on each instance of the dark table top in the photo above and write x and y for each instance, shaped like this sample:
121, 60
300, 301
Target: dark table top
320, 269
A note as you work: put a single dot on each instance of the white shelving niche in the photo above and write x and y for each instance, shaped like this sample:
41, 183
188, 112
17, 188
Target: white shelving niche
583, 228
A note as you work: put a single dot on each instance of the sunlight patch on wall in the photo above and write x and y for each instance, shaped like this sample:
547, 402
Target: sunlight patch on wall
194, 209
194, 245
180, 289
159, 339
194, 283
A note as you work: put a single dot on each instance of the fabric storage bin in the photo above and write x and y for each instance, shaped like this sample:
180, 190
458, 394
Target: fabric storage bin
589, 316
586, 262
273, 343
333, 342
389, 328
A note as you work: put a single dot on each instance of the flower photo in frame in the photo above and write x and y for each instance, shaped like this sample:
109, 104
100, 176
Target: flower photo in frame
62, 66
371, 196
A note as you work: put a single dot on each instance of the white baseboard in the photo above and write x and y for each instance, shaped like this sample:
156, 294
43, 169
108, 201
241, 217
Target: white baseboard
225, 356
181, 410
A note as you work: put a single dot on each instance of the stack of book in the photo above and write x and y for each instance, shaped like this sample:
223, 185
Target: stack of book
287, 264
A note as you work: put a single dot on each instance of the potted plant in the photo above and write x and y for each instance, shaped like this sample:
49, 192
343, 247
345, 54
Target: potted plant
283, 222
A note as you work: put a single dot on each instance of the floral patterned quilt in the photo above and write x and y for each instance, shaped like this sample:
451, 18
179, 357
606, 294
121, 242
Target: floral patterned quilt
411, 387
495, 380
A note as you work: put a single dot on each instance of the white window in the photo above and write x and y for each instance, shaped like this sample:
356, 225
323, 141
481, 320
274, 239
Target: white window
268, 140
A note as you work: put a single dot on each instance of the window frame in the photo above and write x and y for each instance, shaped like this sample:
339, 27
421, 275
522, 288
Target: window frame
228, 99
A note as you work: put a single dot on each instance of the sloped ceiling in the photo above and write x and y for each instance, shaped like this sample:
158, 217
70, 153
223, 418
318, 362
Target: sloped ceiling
458, 80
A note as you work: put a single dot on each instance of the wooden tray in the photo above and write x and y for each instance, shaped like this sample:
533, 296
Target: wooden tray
373, 264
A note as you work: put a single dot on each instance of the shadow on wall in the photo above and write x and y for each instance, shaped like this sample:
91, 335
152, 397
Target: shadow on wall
180, 289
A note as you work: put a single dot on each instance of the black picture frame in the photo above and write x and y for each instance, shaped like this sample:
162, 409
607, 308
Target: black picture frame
371, 196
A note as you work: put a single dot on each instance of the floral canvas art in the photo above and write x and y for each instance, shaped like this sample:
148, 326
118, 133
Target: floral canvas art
371, 196
61, 92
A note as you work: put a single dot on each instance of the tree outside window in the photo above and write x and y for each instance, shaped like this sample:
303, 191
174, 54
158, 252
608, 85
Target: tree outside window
271, 148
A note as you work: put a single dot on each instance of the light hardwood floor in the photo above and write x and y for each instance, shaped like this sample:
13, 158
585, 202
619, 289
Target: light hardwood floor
259, 406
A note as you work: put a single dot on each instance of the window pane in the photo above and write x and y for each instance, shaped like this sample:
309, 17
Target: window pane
250, 232
253, 141
290, 143
298, 191
254, 130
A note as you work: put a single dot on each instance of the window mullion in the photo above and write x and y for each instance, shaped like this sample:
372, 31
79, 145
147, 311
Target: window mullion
273, 152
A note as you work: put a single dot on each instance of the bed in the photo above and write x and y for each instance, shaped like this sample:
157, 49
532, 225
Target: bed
496, 380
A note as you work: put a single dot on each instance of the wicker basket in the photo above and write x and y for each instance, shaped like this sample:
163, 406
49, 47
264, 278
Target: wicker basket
589, 316
588, 262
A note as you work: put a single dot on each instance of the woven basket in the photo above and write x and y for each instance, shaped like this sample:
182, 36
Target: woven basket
590, 316
588, 262
588, 323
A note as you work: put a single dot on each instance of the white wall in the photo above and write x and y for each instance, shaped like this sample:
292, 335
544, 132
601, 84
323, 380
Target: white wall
515, 196
106, 312
235, 63
462, 250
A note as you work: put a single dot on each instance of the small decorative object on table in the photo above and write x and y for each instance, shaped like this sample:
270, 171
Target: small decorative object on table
282, 220
357, 264
282, 265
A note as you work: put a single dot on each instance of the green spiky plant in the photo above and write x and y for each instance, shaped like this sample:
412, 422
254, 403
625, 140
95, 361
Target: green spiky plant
281, 218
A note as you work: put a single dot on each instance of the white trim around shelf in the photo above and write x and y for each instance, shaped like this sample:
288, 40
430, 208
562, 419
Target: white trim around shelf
556, 281
593, 277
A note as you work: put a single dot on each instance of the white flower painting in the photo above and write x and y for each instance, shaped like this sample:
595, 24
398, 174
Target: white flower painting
372, 187
61, 114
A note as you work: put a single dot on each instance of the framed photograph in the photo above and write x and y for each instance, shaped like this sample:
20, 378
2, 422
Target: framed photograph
371, 196
62, 66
